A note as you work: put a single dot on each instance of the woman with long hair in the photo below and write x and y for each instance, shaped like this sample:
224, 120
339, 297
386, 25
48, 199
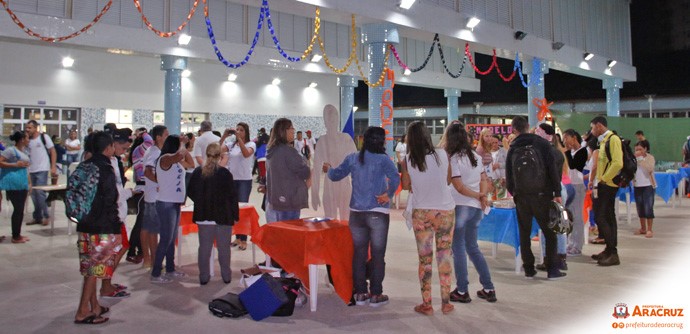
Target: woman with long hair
576, 157
216, 210
170, 173
427, 173
645, 186
287, 174
470, 185
374, 181
240, 154
15, 181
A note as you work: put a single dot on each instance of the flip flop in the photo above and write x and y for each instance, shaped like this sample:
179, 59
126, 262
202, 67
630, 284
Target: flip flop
104, 310
117, 294
120, 287
91, 320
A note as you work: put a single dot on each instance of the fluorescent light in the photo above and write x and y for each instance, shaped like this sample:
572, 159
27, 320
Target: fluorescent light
313, 85
407, 71
184, 39
275, 82
473, 22
406, 4
588, 55
232, 77
67, 62
354, 108
612, 63
315, 58
186, 73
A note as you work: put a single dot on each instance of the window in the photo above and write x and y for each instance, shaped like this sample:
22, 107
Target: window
121, 117
51, 120
189, 121
681, 114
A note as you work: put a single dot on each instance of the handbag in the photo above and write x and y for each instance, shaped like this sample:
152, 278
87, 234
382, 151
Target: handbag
14, 178
228, 305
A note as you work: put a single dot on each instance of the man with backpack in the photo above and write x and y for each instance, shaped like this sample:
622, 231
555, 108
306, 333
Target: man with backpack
610, 164
534, 180
43, 160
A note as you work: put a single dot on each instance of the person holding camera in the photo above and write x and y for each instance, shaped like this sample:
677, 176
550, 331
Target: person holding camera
240, 162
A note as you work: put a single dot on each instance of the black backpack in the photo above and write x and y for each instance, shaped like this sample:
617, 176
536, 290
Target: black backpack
627, 173
529, 175
228, 305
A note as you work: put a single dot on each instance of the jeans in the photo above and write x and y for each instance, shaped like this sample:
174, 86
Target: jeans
605, 214
220, 234
577, 236
286, 215
18, 199
467, 220
243, 189
70, 158
369, 229
644, 201
135, 235
529, 207
169, 217
38, 197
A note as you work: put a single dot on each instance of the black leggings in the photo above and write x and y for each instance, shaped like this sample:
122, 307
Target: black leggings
18, 199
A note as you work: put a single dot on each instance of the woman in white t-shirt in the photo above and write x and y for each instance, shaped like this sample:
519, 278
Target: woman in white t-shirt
426, 172
240, 162
645, 186
469, 187
401, 152
73, 146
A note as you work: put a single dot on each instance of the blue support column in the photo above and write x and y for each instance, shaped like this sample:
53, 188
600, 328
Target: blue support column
173, 67
453, 96
535, 87
377, 36
613, 99
347, 86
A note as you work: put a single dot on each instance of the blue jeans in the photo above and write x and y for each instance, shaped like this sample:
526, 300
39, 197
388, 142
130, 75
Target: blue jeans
369, 229
70, 158
467, 220
644, 201
38, 197
286, 215
169, 218
243, 189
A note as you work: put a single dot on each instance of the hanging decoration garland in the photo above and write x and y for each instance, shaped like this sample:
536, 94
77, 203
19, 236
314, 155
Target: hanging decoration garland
212, 37
32, 33
353, 51
428, 56
522, 79
543, 108
469, 57
382, 77
445, 67
148, 24
317, 26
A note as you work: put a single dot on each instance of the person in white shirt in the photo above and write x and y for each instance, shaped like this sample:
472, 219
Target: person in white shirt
73, 146
645, 186
301, 146
401, 152
239, 158
151, 225
426, 172
206, 137
43, 160
311, 142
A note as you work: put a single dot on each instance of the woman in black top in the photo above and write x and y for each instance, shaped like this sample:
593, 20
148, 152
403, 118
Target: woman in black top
576, 155
215, 211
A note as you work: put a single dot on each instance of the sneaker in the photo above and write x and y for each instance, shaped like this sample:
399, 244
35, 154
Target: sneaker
610, 260
361, 299
176, 274
488, 296
598, 256
530, 272
136, 259
160, 280
574, 252
34, 222
541, 267
457, 297
556, 275
378, 300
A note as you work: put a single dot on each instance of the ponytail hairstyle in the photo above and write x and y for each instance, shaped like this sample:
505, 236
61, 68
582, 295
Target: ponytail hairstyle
212, 160
17, 136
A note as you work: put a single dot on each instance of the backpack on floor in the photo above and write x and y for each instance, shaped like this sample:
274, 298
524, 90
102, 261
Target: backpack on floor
82, 186
529, 174
227, 306
627, 173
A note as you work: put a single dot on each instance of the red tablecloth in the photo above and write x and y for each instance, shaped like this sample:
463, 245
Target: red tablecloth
247, 225
295, 244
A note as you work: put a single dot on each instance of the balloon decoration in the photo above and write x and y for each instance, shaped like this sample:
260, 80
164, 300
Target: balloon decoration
542, 108
386, 109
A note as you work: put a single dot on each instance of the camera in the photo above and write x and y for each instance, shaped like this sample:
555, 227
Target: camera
230, 131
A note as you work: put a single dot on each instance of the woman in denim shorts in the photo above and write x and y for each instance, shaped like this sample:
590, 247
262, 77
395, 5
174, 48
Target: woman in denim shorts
645, 185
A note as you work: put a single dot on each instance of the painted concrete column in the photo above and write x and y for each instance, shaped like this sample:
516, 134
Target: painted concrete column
613, 98
347, 84
535, 87
173, 67
453, 97
377, 36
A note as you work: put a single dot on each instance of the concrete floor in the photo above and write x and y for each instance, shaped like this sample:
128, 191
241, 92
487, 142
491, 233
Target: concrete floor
40, 286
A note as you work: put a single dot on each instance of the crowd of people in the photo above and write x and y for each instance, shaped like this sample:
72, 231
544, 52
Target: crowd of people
451, 186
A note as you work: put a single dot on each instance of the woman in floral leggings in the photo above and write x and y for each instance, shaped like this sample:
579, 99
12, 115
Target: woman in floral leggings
426, 172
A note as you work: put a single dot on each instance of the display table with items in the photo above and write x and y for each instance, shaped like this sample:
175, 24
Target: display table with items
300, 246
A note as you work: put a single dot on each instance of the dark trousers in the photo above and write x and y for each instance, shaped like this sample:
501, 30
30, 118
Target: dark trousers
243, 189
135, 235
605, 216
18, 199
529, 207
369, 232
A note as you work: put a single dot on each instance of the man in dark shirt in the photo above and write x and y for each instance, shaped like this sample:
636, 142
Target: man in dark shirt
534, 203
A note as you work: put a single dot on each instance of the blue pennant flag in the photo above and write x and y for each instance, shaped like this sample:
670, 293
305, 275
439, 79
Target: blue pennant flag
349, 127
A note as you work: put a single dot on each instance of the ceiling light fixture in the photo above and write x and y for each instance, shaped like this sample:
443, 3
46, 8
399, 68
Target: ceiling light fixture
184, 39
612, 63
313, 85
67, 62
588, 56
275, 82
472, 22
232, 77
407, 71
315, 58
406, 4
520, 35
354, 108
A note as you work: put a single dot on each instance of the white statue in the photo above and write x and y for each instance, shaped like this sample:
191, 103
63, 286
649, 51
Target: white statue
332, 147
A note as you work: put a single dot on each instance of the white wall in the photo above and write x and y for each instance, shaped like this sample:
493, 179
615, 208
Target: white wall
32, 73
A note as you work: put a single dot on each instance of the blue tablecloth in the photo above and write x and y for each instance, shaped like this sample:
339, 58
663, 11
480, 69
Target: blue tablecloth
666, 184
684, 172
501, 226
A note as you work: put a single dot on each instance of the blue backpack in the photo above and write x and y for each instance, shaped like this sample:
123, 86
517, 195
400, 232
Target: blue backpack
81, 191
